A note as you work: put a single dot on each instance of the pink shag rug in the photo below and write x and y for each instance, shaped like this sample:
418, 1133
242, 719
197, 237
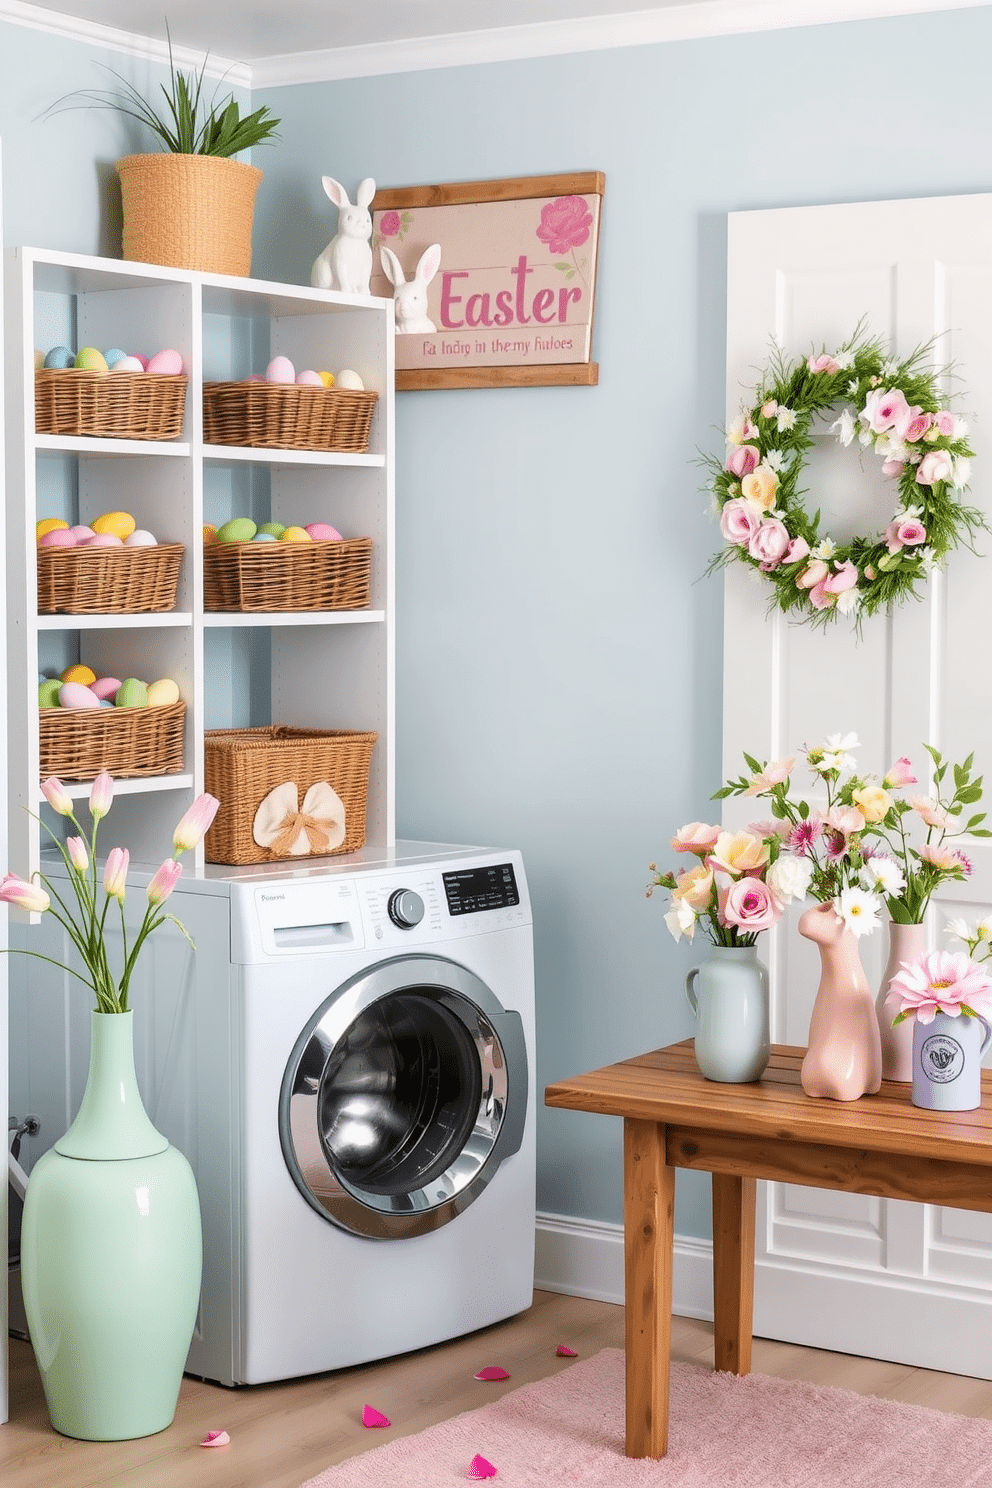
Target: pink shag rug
724, 1432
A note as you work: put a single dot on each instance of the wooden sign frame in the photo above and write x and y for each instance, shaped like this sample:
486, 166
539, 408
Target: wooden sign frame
484, 194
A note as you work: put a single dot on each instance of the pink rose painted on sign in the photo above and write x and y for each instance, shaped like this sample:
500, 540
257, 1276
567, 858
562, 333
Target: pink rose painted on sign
565, 223
389, 224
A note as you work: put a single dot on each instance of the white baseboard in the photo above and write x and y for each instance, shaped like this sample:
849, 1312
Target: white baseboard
584, 1258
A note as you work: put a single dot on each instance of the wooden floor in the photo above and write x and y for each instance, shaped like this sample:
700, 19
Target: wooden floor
283, 1434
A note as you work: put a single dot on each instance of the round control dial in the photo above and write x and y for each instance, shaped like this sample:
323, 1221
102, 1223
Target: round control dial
405, 908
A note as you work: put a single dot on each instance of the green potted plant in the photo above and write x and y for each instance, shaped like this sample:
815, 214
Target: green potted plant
189, 206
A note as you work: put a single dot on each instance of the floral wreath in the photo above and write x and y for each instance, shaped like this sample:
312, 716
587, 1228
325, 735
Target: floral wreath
896, 408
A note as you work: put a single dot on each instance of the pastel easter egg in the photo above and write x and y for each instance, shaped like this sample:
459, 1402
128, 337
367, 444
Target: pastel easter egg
106, 702
90, 359
280, 369
119, 524
309, 379
139, 538
131, 694
163, 694
272, 529
167, 363
82, 533
79, 673
103, 540
39, 360
58, 537
59, 358
327, 378
323, 532
255, 377
141, 359
113, 356
350, 380
209, 532
238, 529
48, 693
129, 364
75, 695
49, 524
296, 534
106, 687
264, 537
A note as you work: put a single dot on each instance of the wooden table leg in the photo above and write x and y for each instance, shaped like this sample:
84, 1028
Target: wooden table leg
733, 1272
649, 1238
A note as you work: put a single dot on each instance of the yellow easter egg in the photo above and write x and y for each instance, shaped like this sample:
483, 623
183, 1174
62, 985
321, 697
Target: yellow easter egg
163, 694
296, 534
79, 673
209, 532
50, 524
114, 524
327, 378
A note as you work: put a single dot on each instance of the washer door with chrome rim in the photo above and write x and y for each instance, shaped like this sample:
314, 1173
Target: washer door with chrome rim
403, 1095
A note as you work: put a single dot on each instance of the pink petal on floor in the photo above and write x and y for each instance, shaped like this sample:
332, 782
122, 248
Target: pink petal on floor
480, 1468
564, 1352
492, 1372
372, 1417
216, 1439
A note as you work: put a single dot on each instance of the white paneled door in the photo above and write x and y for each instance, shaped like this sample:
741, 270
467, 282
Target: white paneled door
862, 1275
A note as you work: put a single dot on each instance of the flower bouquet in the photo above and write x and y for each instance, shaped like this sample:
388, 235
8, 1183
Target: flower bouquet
949, 998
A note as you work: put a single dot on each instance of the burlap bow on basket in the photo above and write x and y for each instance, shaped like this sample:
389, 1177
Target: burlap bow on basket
290, 830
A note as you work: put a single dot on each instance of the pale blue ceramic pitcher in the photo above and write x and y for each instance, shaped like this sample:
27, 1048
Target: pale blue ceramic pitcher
729, 996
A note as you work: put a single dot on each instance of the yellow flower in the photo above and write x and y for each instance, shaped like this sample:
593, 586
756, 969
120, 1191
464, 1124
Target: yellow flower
873, 802
760, 487
739, 852
695, 886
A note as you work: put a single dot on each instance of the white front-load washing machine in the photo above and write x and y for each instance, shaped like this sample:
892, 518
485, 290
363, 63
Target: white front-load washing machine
348, 1062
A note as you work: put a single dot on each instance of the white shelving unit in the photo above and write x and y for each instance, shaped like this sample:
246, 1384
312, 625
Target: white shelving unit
331, 669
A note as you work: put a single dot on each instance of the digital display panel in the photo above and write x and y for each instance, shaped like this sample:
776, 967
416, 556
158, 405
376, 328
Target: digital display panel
475, 889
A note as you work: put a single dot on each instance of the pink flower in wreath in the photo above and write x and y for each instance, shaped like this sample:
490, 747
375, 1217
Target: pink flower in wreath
389, 224
885, 408
936, 465
913, 425
893, 468
565, 223
908, 532
743, 458
739, 520
823, 363
769, 543
798, 550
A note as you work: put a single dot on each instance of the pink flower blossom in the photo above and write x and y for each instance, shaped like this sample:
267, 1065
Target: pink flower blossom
823, 363
904, 532
56, 795
101, 795
936, 465
195, 823
804, 834
695, 837
901, 773
945, 859
78, 856
23, 895
893, 468
821, 596
836, 846
941, 982
913, 426
814, 573
163, 881
776, 772
115, 873
930, 811
742, 459
769, 543
845, 577
883, 409
739, 519
945, 422
846, 819
798, 550
749, 905
389, 224
565, 223
768, 828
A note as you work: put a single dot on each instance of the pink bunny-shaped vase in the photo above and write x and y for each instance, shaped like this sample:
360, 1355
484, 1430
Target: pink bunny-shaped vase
844, 1057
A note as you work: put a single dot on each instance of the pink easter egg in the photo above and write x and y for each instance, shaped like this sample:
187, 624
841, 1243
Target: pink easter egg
82, 533
255, 377
168, 363
310, 379
59, 537
323, 532
75, 695
106, 687
103, 540
139, 356
280, 369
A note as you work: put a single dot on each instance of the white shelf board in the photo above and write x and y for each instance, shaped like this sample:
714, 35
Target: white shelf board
85, 444
79, 790
235, 454
157, 620
226, 618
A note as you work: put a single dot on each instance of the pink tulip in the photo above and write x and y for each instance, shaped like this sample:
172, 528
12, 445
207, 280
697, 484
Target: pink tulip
101, 795
55, 794
195, 823
115, 873
164, 881
901, 773
23, 895
78, 856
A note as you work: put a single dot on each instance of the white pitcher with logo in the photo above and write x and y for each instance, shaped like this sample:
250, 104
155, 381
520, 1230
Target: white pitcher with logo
947, 1062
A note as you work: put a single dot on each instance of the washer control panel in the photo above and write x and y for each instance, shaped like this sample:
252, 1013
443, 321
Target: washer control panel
405, 908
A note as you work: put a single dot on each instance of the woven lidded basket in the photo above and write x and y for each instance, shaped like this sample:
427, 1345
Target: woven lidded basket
108, 581
188, 211
77, 743
109, 405
243, 765
277, 415
288, 576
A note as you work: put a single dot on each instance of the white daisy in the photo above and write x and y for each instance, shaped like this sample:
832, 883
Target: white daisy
844, 427
884, 874
825, 549
960, 927
785, 418
858, 909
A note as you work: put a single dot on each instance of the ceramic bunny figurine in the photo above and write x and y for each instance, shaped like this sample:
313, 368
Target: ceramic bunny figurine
346, 262
410, 296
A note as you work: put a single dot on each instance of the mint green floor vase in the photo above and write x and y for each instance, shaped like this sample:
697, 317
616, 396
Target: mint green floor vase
111, 1255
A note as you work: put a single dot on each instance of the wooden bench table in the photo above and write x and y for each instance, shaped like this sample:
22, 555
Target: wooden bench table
674, 1118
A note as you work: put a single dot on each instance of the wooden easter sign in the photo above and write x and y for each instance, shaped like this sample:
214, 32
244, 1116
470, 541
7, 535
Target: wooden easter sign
509, 300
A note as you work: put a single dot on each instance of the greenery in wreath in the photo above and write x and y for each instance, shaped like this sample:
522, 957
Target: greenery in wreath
897, 409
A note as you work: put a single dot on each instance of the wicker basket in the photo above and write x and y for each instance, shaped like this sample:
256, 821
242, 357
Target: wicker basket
243, 765
275, 415
108, 581
188, 211
77, 743
109, 405
288, 576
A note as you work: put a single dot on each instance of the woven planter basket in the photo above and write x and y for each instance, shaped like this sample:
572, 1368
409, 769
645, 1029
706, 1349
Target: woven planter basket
241, 767
77, 743
188, 211
108, 581
288, 576
275, 415
109, 405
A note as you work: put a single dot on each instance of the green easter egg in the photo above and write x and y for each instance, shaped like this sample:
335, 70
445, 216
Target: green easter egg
238, 529
48, 692
91, 360
131, 694
272, 529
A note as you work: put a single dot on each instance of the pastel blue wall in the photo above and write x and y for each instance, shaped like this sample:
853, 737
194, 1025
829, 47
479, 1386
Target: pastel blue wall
559, 654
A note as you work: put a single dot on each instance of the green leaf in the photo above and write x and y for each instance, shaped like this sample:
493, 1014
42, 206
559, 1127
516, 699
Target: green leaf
726, 790
752, 764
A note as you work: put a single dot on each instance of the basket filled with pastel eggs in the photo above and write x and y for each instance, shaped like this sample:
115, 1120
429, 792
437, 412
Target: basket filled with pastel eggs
275, 567
109, 394
108, 567
88, 723
286, 409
